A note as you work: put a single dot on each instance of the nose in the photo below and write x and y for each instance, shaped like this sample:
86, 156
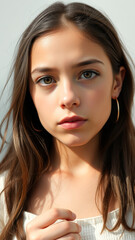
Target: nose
68, 97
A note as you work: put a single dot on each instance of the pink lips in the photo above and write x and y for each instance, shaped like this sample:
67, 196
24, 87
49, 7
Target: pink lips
72, 122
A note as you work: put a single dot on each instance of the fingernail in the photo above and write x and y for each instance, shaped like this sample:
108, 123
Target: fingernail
73, 215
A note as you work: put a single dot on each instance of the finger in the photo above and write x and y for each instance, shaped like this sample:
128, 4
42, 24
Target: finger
70, 236
50, 217
60, 229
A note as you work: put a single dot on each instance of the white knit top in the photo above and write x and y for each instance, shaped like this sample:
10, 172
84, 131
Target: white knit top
91, 227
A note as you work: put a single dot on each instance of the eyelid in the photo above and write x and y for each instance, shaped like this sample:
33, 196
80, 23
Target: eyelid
38, 79
42, 77
89, 70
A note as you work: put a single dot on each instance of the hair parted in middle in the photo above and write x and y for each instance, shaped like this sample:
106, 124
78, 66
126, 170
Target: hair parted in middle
29, 152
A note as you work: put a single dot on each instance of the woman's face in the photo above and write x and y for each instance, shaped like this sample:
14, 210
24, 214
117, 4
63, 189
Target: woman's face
71, 76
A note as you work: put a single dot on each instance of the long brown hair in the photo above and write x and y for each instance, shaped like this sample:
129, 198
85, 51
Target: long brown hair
29, 152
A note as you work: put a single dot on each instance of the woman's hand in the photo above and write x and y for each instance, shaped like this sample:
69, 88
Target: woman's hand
43, 227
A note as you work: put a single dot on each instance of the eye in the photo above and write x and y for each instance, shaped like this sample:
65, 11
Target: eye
88, 74
45, 80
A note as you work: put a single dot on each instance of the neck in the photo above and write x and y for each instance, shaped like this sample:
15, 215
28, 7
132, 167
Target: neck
77, 160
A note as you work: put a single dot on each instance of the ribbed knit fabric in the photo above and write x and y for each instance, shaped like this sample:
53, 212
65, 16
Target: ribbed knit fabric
91, 227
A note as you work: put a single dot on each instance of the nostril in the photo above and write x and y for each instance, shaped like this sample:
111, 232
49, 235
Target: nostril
69, 101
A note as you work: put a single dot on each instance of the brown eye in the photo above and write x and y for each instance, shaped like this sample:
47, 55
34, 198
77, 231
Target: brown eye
47, 80
89, 74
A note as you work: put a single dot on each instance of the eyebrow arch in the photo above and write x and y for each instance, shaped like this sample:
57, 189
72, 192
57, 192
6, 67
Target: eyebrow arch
87, 62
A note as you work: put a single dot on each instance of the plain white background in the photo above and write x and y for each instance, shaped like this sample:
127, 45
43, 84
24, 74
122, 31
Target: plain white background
16, 15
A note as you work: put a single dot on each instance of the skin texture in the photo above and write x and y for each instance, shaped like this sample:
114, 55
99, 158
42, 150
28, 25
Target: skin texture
85, 91
69, 94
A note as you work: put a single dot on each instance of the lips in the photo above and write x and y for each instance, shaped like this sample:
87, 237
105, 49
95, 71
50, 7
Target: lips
70, 123
71, 119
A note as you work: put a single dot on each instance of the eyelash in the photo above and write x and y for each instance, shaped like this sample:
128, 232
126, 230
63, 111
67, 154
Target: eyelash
83, 72
91, 72
43, 78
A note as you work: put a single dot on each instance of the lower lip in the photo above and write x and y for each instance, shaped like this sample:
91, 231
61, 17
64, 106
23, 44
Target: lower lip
72, 125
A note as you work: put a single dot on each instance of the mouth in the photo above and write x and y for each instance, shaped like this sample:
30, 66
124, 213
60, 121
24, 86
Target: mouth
72, 122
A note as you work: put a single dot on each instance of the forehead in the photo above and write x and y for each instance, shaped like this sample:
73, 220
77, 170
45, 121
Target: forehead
65, 46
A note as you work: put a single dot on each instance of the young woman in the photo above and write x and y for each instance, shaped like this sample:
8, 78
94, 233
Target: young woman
69, 170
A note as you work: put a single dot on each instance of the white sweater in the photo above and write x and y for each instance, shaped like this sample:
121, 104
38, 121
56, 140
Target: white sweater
91, 227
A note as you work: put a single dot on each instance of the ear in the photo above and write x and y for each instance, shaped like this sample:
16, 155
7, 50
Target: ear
118, 82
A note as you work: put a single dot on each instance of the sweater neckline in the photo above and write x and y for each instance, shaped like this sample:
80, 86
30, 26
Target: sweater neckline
111, 215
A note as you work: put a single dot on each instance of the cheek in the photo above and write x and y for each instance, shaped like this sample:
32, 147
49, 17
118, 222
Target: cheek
99, 103
41, 103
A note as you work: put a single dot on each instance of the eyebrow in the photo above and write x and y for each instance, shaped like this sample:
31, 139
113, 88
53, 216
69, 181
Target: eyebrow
47, 69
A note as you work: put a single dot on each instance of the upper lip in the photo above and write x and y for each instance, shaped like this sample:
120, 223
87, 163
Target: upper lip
72, 119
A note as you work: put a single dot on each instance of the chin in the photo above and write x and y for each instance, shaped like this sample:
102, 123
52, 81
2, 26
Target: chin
75, 142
